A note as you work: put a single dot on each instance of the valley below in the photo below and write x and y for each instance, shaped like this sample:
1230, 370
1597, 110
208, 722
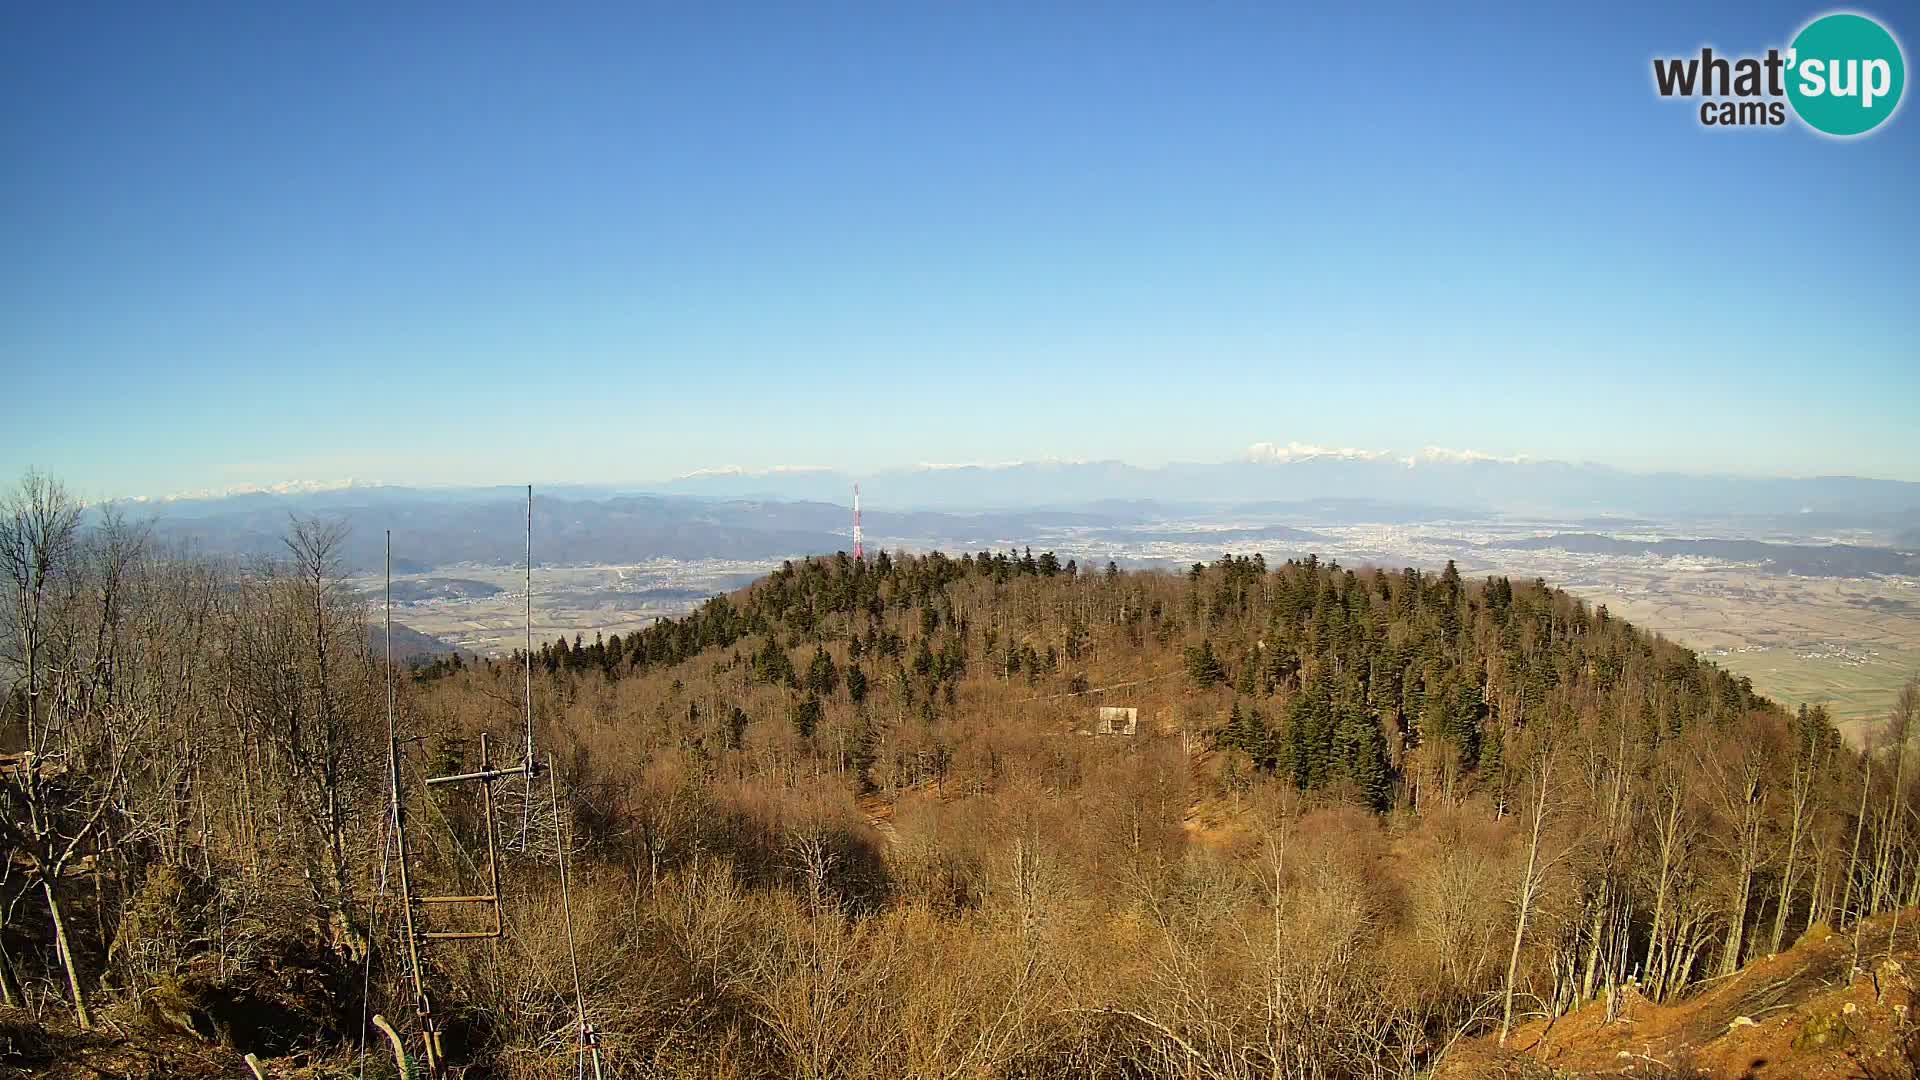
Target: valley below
590, 600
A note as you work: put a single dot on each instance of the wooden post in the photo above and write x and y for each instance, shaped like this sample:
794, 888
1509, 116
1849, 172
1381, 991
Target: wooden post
399, 1048
493, 864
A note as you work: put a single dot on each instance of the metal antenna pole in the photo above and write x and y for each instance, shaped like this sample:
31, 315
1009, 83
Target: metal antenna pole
526, 760
418, 937
392, 732
529, 625
422, 1002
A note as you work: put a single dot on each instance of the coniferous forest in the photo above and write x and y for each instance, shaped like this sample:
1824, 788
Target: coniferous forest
855, 819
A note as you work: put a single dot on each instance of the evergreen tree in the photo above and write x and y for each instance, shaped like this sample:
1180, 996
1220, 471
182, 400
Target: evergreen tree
823, 676
1247, 732
771, 664
1249, 680
864, 753
807, 714
1360, 753
951, 664
1203, 667
1076, 638
1465, 712
1309, 737
1030, 659
1493, 757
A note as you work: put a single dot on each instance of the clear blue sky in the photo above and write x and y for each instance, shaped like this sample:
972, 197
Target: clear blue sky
456, 244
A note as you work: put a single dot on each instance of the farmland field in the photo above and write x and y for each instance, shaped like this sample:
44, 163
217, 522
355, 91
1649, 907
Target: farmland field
567, 600
1847, 643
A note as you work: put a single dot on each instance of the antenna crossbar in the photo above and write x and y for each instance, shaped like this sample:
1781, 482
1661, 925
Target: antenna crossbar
486, 774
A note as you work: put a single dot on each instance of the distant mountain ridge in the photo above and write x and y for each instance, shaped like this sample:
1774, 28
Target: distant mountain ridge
1463, 480
434, 529
431, 530
1435, 478
1281, 498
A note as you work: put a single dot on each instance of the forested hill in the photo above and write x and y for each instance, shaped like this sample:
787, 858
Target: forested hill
1328, 676
1360, 806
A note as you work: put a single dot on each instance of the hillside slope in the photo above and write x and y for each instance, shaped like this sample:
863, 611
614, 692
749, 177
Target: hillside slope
853, 823
1793, 1016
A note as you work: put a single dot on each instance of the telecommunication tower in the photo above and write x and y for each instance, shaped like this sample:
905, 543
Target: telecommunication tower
859, 546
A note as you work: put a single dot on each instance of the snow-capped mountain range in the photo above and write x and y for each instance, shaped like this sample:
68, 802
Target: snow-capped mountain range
1284, 472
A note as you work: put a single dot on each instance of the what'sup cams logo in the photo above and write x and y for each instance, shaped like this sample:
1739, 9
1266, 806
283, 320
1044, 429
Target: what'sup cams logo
1843, 76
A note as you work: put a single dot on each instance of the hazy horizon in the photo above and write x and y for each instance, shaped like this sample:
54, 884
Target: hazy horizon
1427, 457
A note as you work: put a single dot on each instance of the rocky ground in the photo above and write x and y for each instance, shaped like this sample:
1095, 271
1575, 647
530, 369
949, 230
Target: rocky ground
1805, 1014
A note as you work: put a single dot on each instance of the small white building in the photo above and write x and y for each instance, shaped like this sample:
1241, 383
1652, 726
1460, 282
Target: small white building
1112, 720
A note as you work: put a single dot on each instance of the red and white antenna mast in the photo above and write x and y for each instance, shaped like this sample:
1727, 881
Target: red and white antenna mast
859, 545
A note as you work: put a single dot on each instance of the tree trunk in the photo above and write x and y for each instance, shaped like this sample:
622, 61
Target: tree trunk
1527, 887
1786, 880
1859, 827
1752, 800
1737, 924
1816, 898
1657, 943
10, 994
81, 1014
1597, 934
1883, 865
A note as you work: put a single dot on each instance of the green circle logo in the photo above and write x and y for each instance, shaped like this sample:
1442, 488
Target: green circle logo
1845, 74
